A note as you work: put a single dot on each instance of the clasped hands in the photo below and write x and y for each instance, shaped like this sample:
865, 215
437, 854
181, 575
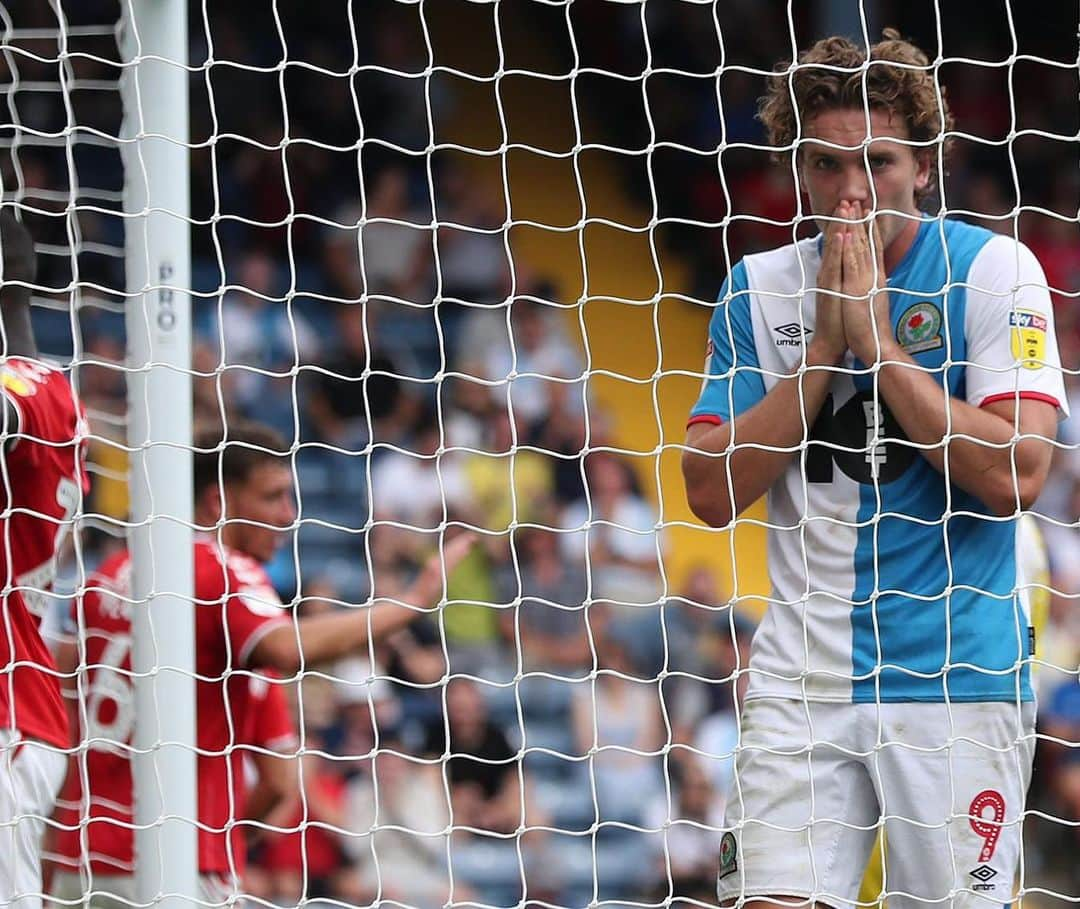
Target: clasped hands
855, 316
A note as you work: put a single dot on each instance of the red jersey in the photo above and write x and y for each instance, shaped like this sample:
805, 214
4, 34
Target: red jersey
43, 483
270, 728
236, 605
313, 849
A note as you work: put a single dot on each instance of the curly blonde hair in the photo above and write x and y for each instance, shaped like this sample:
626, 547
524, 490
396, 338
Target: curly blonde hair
830, 75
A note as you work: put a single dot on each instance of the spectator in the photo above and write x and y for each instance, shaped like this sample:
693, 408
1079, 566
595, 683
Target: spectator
691, 843
1067, 790
539, 357
404, 860
412, 492
548, 629
416, 486
416, 665
466, 408
367, 708
716, 732
619, 715
473, 261
986, 204
1059, 723
618, 530
485, 792
474, 266
382, 256
258, 329
1057, 247
354, 386
101, 377
703, 645
259, 339
102, 384
396, 106
395, 242
561, 436
504, 484
213, 388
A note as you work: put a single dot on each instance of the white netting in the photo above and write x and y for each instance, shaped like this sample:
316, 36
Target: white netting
461, 257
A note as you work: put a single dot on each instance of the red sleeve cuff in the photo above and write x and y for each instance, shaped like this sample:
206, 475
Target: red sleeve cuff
1023, 395
705, 418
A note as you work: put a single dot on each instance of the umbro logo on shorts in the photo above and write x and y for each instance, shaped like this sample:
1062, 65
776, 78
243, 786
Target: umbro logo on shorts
984, 874
791, 334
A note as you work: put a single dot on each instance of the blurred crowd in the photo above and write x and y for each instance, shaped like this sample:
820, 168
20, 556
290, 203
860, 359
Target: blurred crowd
424, 377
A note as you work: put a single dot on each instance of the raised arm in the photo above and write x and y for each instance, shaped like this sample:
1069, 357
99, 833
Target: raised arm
974, 446
323, 638
730, 463
723, 479
19, 272
1000, 451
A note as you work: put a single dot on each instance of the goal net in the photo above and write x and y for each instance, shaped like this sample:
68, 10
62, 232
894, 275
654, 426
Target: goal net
461, 258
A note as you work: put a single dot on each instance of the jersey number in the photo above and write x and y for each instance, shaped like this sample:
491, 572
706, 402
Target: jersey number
851, 438
37, 582
110, 702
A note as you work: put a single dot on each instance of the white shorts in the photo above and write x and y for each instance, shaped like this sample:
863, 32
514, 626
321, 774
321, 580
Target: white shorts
813, 783
117, 891
107, 891
31, 774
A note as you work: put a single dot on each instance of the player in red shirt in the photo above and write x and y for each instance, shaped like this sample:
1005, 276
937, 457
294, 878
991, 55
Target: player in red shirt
108, 708
42, 482
245, 489
272, 735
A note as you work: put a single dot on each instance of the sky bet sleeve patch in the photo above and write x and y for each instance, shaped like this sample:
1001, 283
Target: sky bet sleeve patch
1027, 337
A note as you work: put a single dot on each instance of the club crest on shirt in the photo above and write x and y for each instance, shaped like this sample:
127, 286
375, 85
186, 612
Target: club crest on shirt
1027, 337
919, 328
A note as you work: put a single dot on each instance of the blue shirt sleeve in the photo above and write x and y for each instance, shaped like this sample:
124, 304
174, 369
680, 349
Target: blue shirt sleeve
733, 382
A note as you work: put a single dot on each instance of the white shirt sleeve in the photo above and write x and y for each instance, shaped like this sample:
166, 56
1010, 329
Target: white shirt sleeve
1009, 325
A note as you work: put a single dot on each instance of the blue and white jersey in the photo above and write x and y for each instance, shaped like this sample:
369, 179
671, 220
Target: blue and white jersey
889, 584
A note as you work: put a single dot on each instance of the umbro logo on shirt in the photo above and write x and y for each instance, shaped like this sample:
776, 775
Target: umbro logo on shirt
791, 334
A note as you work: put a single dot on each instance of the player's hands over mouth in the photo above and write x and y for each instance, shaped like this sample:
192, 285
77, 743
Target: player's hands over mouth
829, 343
867, 325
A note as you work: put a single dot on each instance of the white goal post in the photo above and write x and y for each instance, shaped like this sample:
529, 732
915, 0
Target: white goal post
461, 257
154, 145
